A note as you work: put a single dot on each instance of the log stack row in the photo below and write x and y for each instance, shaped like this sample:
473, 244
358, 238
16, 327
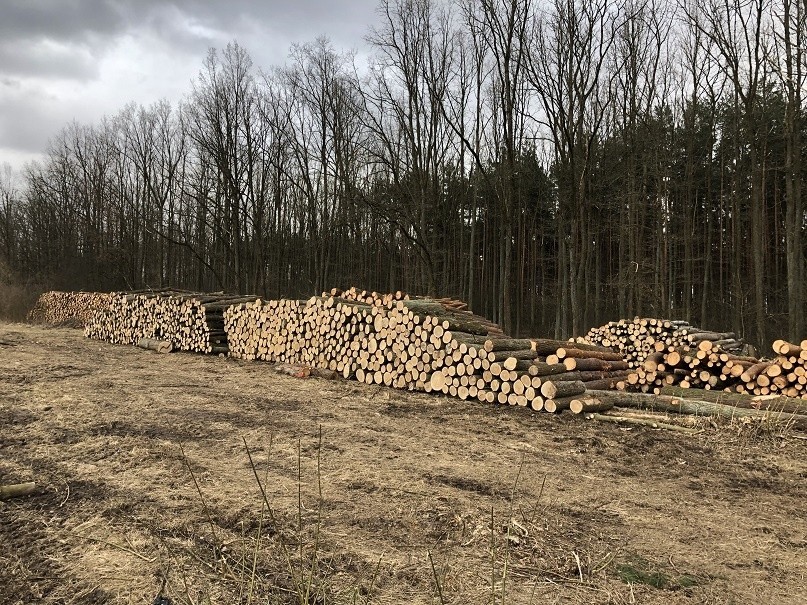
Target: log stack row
451, 305
641, 338
375, 299
67, 307
188, 321
709, 368
428, 345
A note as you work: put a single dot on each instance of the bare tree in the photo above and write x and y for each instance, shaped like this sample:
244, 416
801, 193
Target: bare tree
221, 121
567, 68
736, 29
403, 109
790, 65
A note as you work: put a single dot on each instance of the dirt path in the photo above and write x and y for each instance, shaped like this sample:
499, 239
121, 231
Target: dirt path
416, 491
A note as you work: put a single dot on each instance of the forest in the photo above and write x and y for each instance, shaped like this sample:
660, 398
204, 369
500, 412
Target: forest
555, 163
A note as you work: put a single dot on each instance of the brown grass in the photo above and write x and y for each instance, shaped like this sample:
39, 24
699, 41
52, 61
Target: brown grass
210, 480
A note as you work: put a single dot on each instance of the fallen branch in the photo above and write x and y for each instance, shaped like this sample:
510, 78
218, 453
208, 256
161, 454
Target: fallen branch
643, 422
15, 490
302, 371
118, 546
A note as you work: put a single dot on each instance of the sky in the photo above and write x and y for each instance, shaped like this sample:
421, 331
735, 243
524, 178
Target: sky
65, 60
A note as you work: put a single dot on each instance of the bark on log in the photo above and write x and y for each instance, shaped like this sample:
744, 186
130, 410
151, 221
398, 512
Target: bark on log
558, 404
580, 405
572, 351
599, 365
603, 384
678, 405
540, 368
772, 403
643, 422
152, 344
16, 490
508, 344
527, 354
555, 390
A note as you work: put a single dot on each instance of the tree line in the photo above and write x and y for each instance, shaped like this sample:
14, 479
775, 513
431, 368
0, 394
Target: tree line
556, 163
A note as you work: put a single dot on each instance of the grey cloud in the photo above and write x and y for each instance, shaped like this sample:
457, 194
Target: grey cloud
26, 125
61, 20
93, 24
44, 41
79, 20
344, 21
69, 62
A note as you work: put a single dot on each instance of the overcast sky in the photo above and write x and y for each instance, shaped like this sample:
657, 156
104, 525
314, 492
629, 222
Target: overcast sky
62, 60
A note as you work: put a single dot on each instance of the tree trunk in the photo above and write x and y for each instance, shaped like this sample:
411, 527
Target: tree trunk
677, 405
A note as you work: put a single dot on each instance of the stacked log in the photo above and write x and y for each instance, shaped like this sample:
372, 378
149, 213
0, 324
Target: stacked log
376, 299
187, 321
708, 367
450, 305
642, 337
67, 307
421, 344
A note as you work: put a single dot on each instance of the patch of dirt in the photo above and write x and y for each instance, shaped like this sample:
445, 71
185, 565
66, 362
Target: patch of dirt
207, 479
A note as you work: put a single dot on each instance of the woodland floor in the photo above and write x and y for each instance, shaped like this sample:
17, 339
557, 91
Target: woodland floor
421, 497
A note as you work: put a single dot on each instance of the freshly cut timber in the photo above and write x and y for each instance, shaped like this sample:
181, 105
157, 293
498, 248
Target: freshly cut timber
431, 345
642, 337
680, 405
710, 368
187, 321
66, 307
438, 345
664, 353
580, 405
418, 343
152, 344
559, 404
553, 390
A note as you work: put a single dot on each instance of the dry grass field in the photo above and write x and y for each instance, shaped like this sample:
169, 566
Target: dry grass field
209, 480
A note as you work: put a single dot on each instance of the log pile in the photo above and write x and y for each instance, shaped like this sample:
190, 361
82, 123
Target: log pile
185, 320
438, 345
642, 337
450, 305
67, 307
430, 345
710, 368
375, 299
